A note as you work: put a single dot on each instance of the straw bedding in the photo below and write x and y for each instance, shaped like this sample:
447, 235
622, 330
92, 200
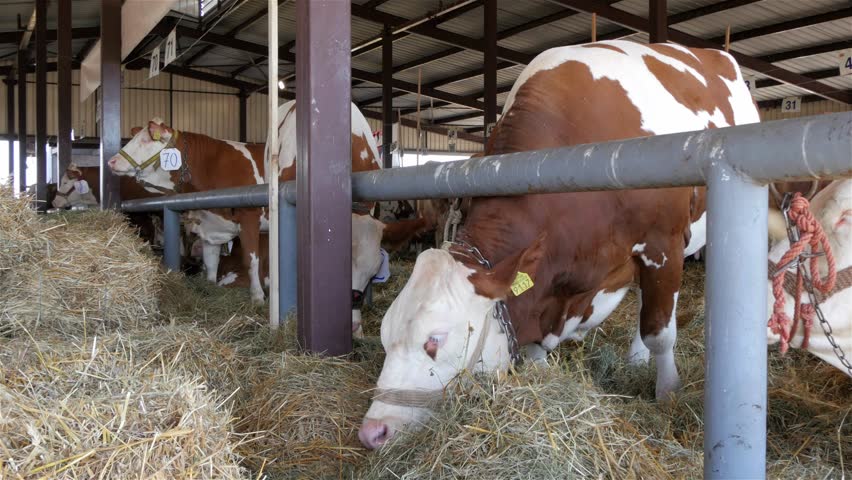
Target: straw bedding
198, 387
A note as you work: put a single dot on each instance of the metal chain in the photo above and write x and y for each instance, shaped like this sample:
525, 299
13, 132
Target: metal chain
793, 236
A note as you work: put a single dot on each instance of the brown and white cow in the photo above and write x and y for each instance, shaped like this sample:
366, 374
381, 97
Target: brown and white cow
832, 207
580, 251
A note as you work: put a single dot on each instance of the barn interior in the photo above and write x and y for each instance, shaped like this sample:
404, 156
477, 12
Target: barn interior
112, 367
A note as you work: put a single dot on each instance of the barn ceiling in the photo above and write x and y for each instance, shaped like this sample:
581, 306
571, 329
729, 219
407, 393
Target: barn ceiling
791, 47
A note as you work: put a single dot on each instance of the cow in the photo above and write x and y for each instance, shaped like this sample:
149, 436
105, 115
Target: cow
73, 190
561, 262
832, 207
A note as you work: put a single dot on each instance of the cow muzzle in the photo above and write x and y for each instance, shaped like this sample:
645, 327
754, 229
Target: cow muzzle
374, 433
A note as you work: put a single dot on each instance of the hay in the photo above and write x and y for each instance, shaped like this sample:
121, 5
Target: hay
100, 408
76, 273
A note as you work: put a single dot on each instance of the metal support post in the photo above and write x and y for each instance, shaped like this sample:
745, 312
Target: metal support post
323, 170
735, 330
23, 57
659, 22
110, 98
41, 105
171, 239
490, 66
63, 85
287, 244
387, 97
10, 121
243, 97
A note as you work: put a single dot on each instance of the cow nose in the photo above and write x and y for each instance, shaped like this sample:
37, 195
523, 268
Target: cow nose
111, 162
374, 433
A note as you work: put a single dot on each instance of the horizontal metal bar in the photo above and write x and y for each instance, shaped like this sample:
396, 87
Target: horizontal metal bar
804, 148
796, 149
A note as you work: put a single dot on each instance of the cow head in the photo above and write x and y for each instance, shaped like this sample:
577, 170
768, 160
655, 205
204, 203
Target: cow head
141, 154
433, 330
73, 190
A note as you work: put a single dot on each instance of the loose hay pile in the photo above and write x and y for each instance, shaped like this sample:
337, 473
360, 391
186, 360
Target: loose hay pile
72, 273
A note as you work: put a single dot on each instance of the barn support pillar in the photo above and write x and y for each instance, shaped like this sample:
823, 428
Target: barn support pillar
324, 165
735, 330
110, 121
171, 239
243, 96
23, 57
64, 87
10, 120
287, 260
41, 105
490, 64
387, 97
659, 22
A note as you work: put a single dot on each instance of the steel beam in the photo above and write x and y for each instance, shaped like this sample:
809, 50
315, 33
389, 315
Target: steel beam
63, 85
735, 330
387, 98
80, 33
171, 239
10, 121
323, 169
110, 96
490, 64
243, 96
786, 26
41, 105
23, 59
658, 21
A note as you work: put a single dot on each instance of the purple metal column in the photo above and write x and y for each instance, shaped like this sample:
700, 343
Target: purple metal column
10, 120
387, 97
490, 64
23, 57
323, 132
63, 83
658, 19
41, 105
110, 98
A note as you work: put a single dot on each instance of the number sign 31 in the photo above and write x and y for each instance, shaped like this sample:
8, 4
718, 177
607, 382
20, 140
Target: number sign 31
170, 159
791, 104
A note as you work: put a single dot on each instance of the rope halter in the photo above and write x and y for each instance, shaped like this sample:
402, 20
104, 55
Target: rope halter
147, 163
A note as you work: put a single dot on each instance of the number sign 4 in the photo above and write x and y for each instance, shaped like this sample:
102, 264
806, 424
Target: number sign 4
170, 159
845, 63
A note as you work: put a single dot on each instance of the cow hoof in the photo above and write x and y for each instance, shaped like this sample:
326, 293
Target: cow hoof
358, 332
666, 392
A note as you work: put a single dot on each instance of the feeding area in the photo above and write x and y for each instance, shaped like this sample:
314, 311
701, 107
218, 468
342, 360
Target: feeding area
110, 368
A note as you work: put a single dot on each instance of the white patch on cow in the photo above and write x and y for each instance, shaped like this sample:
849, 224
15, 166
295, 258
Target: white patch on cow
661, 112
364, 154
210, 253
211, 227
357, 328
603, 304
156, 178
438, 298
266, 282
570, 327
254, 277
698, 235
366, 256
264, 221
740, 98
535, 353
661, 346
74, 198
550, 342
241, 147
831, 207
640, 249
639, 353
228, 279
287, 135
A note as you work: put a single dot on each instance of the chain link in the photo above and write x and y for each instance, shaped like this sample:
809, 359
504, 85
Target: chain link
793, 237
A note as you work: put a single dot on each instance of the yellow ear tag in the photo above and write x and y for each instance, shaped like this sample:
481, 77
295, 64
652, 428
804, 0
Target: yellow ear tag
157, 135
522, 283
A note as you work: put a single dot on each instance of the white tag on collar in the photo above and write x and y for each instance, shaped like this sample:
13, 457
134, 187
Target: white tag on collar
170, 159
384, 269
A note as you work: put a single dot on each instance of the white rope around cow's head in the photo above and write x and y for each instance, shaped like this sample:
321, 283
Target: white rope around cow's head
423, 398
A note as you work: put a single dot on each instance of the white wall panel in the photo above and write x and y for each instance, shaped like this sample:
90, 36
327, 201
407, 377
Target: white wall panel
808, 109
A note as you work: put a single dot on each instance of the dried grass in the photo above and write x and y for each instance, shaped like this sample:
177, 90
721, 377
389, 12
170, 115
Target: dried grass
73, 273
104, 408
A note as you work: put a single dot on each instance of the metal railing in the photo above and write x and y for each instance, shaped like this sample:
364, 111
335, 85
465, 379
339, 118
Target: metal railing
735, 163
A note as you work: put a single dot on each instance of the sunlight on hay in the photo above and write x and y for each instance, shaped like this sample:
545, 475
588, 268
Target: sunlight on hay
75, 273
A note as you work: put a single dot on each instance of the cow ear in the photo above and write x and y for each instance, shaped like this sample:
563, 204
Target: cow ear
396, 234
134, 131
513, 275
159, 132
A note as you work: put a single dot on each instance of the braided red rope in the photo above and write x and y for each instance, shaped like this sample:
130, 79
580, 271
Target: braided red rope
811, 235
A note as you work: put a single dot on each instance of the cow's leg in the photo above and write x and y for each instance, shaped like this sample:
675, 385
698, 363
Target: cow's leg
660, 272
210, 253
249, 220
639, 353
536, 353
